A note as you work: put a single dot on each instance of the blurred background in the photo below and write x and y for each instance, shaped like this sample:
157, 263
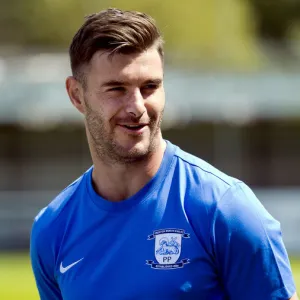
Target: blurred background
232, 85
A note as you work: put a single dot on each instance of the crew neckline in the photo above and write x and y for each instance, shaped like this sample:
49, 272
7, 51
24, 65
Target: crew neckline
142, 194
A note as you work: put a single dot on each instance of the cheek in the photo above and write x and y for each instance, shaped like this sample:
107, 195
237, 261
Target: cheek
103, 108
160, 99
156, 105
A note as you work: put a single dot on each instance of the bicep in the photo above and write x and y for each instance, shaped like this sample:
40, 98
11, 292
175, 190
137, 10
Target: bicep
250, 254
44, 277
294, 297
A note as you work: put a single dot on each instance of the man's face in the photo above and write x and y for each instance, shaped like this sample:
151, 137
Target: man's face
124, 102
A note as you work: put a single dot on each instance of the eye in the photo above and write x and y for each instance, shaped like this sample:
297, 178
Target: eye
150, 86
117, 89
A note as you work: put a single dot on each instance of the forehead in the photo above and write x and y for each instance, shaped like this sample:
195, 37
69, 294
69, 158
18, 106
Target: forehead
129, 67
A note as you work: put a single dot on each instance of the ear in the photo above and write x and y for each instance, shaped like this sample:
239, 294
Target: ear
75, 92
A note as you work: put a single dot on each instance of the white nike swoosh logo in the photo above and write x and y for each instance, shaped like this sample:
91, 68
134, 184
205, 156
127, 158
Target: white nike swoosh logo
65, 269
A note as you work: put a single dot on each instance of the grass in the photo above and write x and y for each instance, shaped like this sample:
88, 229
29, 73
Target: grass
17, 282
16, 278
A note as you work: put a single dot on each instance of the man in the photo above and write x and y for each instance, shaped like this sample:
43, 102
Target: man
147, 220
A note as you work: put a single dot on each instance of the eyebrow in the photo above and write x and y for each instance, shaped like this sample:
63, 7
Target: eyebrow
156, 81
113, 83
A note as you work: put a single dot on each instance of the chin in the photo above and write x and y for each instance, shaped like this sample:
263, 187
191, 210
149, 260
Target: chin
133, 150
136, 149
129, 148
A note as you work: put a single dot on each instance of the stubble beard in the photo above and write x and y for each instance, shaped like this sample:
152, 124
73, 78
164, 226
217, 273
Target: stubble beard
108, 150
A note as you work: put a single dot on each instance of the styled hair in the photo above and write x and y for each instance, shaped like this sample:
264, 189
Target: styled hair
115, 31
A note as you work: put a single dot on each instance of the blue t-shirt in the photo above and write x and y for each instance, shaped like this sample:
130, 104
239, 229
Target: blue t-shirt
192, 232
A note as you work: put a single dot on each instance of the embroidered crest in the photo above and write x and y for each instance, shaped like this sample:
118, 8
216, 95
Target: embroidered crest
167, 249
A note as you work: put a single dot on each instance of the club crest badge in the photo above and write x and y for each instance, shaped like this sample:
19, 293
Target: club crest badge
167, 249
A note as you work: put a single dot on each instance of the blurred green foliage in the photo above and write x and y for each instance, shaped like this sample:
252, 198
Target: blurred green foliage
220, 32
275, 19
204, 30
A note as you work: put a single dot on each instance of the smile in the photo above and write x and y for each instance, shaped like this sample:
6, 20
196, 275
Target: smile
134, 128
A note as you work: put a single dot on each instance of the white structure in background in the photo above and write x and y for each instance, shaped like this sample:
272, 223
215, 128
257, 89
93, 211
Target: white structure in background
232, 97
32, 93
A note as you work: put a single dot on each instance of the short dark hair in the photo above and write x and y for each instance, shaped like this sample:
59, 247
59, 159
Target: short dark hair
115, 31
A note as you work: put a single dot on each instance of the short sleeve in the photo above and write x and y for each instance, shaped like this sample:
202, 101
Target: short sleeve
41, 261
249, 251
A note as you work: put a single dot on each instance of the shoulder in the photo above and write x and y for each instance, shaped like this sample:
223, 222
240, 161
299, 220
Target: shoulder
213, 197
208, 181
204, 187
239, 211
210, 187
48, 217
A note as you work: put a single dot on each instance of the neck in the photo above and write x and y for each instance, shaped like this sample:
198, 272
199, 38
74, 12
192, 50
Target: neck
117, 182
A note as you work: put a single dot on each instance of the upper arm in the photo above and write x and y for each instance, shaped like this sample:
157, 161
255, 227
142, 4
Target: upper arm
42, 266
294, 297
251, 258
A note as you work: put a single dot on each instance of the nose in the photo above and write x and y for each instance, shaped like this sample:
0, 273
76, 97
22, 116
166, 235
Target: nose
135, 104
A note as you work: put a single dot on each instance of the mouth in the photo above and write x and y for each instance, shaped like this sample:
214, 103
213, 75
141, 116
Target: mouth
134, 127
